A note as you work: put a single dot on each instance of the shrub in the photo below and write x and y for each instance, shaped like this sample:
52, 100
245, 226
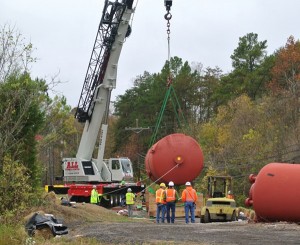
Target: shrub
16, 192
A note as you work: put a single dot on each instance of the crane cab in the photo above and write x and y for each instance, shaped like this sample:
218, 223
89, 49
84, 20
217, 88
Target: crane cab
120, 168
110, 170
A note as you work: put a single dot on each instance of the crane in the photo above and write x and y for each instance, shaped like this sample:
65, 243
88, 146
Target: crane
93, 110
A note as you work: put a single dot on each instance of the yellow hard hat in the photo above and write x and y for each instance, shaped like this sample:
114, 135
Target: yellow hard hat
162, 185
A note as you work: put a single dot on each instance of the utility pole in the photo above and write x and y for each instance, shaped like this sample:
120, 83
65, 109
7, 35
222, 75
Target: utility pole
137, 130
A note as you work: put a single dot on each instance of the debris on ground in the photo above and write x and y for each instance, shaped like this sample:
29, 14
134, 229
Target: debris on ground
66, 202
242, 216
46, 223
123, 212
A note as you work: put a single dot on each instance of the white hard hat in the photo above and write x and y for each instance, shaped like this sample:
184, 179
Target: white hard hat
94, 186
229, 192
171, 183
129, 190
188, 183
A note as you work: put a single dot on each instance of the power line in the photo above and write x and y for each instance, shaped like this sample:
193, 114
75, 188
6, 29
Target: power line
137, 130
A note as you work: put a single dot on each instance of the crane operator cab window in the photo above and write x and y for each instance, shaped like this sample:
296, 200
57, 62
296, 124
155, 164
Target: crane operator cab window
127, 169
115, 165
121, 169
126, 165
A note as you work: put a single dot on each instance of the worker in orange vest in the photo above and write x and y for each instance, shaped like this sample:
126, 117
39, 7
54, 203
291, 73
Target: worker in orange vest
189, 197
171, 199
160, 199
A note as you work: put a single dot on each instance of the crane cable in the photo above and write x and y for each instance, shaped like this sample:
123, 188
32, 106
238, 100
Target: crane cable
168, 17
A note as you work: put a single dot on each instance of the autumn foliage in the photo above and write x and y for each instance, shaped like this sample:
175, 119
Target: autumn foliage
286, 71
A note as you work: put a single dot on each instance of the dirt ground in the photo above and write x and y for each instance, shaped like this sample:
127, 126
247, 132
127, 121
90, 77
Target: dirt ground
111, 227
139, 230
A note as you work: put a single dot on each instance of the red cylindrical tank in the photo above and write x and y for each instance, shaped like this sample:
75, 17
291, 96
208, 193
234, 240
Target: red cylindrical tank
176, 158
275, 193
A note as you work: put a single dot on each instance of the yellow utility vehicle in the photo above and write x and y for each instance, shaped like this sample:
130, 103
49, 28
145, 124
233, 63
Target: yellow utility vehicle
219, 204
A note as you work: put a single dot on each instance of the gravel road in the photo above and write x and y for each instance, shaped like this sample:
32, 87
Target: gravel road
239, 232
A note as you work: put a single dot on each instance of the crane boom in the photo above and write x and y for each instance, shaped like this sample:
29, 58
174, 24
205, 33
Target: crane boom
102, 73
93, 106
112, 24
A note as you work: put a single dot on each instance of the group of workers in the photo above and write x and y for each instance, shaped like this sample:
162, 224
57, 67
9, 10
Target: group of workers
166, 199
129, 199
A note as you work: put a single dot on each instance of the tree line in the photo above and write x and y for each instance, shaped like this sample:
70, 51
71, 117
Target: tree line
243, 119
32, 126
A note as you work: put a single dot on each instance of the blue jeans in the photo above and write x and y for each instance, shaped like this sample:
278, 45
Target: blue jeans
189, 207
171, 208
161, 208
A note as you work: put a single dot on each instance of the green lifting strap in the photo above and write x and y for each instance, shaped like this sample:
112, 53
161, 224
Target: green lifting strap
177, 110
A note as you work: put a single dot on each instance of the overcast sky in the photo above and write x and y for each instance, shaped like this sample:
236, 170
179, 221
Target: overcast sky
205, 31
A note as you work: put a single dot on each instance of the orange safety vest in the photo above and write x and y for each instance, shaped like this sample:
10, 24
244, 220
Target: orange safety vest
170, 195
160, 196
189, 195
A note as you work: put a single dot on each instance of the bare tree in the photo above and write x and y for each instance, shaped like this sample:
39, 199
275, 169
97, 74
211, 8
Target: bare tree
15, 53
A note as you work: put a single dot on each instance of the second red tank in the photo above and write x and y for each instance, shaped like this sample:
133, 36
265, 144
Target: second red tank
275, 192
176, 157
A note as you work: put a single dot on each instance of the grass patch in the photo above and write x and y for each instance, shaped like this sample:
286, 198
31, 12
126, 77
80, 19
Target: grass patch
13, 232
12, 235
16, 235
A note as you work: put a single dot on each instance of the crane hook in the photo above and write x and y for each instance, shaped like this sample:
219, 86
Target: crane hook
168, 4
168, 16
